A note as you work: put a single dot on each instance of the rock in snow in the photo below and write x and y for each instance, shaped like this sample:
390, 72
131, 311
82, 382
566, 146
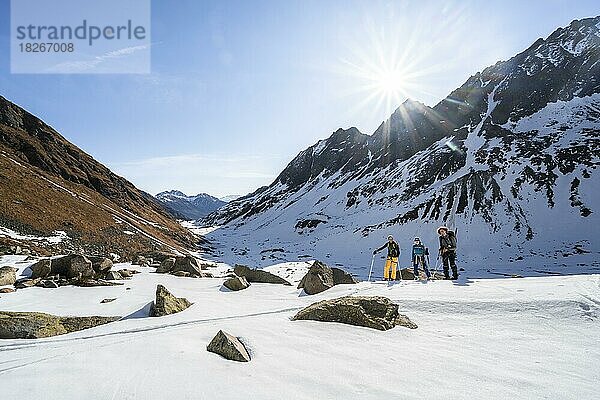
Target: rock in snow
258, 275
72, 266
318, 279
166, 303
7, 276
229, 347
41, 269
341, 277
166, 266
113, 276
369, 311
34, 325
101, 264
236, 283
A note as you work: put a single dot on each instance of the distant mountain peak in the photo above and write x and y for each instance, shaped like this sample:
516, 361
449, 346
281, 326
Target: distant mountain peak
189, 207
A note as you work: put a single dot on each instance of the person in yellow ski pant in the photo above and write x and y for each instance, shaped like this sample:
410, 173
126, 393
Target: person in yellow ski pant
392, 258
390, 262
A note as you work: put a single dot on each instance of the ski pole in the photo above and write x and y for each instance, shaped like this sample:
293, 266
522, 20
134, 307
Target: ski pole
399, 270
437, 261
371, 269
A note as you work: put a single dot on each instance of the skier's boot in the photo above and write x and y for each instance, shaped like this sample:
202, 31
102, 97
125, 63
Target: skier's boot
446, 274
454, 274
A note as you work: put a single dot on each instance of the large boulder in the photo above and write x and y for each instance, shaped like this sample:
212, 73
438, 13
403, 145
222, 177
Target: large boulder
229, 347
41, 269
72, 266
34, 325
101, 264
187, 264
166, 303
318, 279
369, 311
166, 265
258, 275
341, 277
236, 283
8, 276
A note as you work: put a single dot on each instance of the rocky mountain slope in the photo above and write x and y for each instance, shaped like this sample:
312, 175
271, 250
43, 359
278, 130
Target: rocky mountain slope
189, 207
508, 159
48, 185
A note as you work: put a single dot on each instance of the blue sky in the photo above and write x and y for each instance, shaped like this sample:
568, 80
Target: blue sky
238, 88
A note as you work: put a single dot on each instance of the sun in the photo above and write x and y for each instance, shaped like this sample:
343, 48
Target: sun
386, 78
390, 83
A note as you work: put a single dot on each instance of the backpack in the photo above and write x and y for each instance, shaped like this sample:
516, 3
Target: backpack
452, 237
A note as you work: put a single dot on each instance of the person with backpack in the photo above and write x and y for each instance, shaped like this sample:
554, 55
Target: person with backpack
419, 254
391, 262
448, 251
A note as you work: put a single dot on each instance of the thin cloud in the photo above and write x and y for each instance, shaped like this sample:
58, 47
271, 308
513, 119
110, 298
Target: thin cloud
96, 61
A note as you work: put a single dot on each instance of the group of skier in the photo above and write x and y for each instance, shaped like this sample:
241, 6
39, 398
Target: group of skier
420, 256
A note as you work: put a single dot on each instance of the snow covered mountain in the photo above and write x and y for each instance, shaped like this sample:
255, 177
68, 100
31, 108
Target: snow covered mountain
189, 207
508, 159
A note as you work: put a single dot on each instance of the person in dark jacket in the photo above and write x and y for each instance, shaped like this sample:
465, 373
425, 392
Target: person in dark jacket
419, 254
391, 262
448, 251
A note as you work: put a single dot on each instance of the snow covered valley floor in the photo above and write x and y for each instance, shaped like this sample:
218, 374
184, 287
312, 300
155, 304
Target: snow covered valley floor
529, 338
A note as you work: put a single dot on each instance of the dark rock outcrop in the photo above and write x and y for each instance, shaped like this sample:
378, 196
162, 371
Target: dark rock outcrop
166, 304
34, 325
236, 283
258, 275
229, 347
369, 311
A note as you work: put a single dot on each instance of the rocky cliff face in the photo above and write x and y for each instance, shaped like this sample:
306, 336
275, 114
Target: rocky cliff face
47, 184
508, 159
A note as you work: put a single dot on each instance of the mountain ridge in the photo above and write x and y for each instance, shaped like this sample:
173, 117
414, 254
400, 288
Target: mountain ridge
467, 162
